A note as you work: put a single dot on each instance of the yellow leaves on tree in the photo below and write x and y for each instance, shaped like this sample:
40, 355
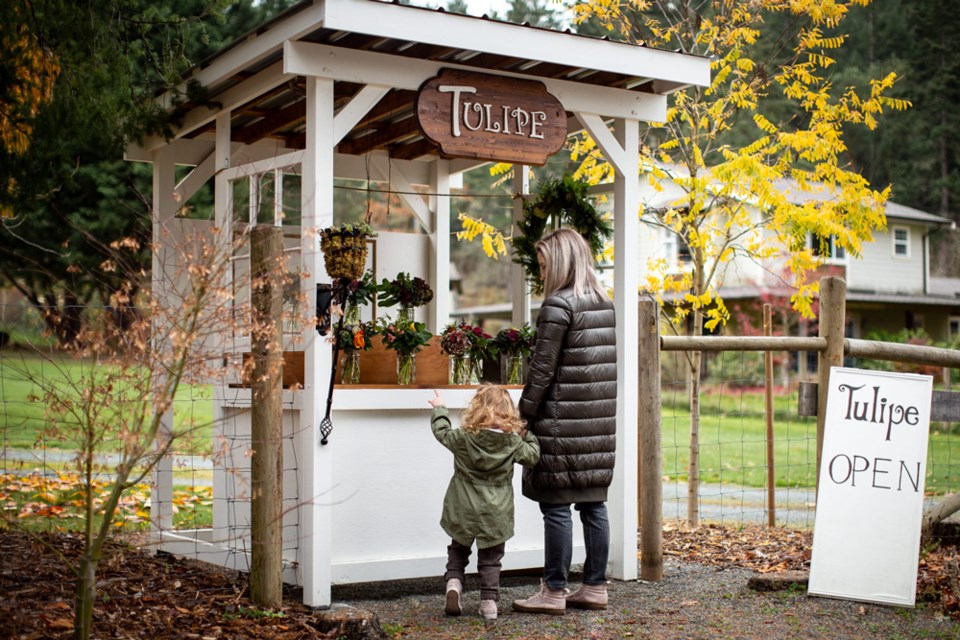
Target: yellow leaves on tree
761, 196
492, 239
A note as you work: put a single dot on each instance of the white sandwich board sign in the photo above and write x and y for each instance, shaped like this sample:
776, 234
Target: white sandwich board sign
866, 537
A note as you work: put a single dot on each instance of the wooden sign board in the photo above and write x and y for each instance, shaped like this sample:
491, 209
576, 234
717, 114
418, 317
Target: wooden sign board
487, 117
866, 537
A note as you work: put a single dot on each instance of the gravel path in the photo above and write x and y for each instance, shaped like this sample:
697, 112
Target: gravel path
693, 601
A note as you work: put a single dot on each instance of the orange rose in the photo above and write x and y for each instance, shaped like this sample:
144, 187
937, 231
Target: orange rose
358, 341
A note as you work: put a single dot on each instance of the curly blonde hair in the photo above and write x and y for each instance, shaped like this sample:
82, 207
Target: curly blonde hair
492, 408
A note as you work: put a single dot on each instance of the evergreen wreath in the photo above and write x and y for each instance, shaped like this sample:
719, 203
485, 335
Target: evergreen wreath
560, 202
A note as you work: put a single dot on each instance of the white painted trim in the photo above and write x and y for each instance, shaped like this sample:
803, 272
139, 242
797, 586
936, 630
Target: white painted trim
370, 67
626, 279
519, 288
598, 130
316, 475
444, 29
255, 48
233, 97
439, 205
263, 166
353, 111
192, 182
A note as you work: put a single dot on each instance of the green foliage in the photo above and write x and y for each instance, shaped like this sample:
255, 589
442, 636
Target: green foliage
404, 338
404, 291
560, 202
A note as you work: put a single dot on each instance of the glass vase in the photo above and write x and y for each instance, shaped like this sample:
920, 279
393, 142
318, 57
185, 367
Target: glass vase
351, 368
406, 369
404, 315
351, 315
461, 371
511, 369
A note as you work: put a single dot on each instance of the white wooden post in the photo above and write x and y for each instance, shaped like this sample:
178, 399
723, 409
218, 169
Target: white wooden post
440, 237
626, 279
162, 278
519, 290
223, 224
316, 470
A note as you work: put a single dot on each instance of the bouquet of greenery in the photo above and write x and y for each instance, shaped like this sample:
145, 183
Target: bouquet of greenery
455, 342
514, 344
405, 291
360, 292
407, 339
480, 346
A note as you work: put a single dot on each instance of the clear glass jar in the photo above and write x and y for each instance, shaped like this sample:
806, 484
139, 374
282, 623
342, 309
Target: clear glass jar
406, 369
512, 370
461, 370
351, 368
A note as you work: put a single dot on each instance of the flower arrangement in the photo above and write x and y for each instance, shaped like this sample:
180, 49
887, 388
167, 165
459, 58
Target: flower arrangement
407, 339
455, 342
353, 339
360, 291
513, 345
480, 346
405, 291
515, 342
344, 249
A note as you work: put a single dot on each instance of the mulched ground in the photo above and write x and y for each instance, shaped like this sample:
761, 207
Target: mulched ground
703, 595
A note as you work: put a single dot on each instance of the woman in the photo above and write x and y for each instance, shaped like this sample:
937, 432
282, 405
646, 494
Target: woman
570, 404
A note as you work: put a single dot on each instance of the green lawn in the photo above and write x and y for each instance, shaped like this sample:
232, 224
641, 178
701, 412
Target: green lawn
732, 436
25, 425
733, 442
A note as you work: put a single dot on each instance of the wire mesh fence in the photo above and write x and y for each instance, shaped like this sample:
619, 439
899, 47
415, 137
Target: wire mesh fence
208, 476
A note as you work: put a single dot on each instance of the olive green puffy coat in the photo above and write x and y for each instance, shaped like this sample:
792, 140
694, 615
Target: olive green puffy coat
570, 400
479, 500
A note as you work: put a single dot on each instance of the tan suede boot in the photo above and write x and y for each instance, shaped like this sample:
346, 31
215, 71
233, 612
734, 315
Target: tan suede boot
589, 596
551, 601
488, 609
454, 589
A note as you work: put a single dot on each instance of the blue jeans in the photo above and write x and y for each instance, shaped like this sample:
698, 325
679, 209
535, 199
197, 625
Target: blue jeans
558, 542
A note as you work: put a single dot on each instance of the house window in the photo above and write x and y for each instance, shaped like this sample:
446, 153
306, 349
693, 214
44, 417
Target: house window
675, 249
901, 242
954, 327
829, 249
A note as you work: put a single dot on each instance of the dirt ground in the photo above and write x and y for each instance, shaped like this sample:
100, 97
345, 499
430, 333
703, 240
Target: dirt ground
704, 594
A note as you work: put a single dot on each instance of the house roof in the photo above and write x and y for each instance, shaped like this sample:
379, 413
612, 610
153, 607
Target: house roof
820, 193
277, 108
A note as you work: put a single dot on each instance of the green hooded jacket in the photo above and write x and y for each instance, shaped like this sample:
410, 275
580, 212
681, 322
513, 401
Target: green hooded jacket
479, 500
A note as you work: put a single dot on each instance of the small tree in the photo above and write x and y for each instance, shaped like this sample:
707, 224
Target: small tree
771, 117
125, 382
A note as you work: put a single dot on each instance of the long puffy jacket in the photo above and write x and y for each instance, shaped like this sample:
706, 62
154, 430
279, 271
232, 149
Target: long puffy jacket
478, 504
570, 400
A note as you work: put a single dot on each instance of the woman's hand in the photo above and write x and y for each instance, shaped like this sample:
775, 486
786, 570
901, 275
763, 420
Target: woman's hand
436, 400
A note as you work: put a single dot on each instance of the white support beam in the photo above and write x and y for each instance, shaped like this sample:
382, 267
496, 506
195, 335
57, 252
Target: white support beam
519, 288
351, 113
444, 29
256, 85
440, 238
163, 211
192, 182
626, 279
612, 150
398, 182
316, 491
370, 67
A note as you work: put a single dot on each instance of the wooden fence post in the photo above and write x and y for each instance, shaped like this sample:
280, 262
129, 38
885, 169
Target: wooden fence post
649, 474
768, 397
833, 300
266, 414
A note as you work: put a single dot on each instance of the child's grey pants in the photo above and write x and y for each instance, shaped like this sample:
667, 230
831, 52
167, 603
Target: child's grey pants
488, 566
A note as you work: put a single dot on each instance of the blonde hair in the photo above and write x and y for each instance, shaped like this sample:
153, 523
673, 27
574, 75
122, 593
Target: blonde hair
569, 263
492, 408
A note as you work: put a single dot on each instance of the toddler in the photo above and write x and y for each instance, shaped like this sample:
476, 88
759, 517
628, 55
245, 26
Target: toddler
479, 500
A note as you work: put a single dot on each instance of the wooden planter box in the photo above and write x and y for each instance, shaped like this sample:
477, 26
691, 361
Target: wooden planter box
379, 365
